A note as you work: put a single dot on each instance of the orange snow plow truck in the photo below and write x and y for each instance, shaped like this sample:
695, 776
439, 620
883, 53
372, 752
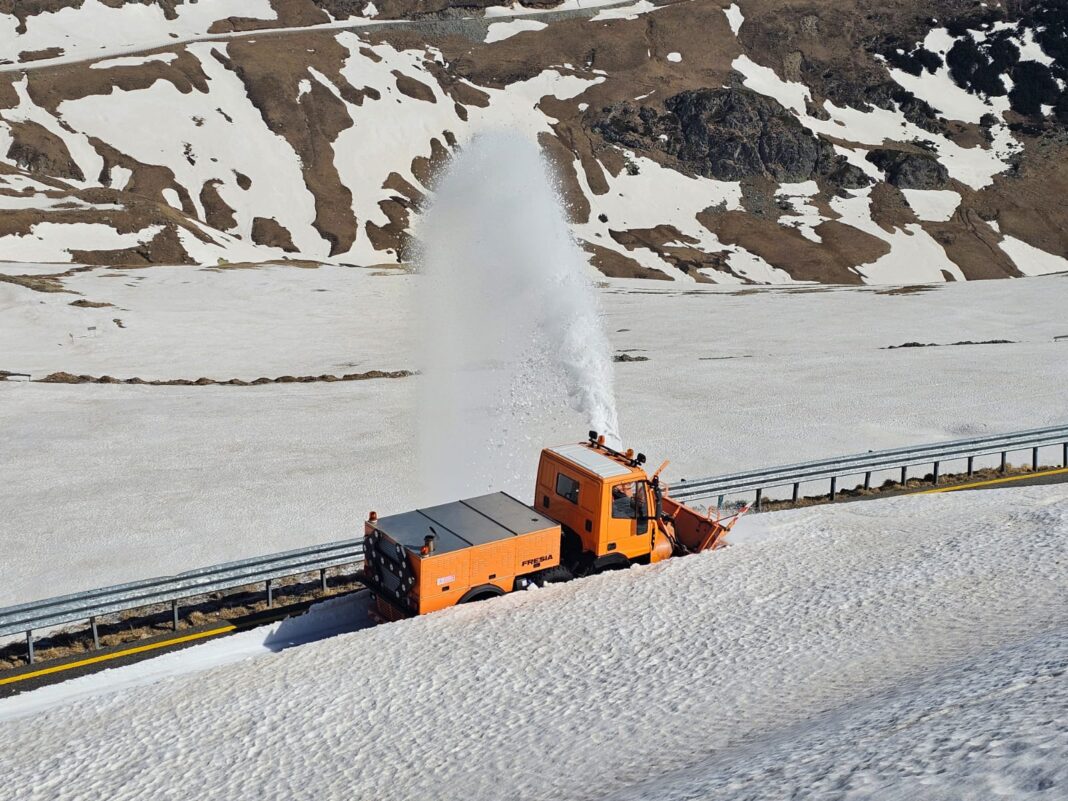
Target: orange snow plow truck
595, 509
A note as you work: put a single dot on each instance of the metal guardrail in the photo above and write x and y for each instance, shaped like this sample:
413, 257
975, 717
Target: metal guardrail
92, 604
264, 569
867, 463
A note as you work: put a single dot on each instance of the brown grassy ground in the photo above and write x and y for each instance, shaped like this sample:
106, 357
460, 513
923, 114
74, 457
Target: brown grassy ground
913, 484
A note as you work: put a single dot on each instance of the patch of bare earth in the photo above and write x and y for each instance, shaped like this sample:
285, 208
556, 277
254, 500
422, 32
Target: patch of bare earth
72, 378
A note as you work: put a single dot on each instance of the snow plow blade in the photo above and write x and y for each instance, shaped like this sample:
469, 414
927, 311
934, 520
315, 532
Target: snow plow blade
696, 532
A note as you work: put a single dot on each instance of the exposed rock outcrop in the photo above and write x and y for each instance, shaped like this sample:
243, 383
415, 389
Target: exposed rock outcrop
910, 170
729, 134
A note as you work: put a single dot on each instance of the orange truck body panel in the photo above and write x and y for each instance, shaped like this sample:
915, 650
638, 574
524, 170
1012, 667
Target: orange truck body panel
480, 545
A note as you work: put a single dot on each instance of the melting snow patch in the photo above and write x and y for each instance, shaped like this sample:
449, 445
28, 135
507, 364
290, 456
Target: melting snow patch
624, 12
53, 242
120, 176
764, 81
499, 31
46, 203
674, 57
666, 197
933, 205
172, 198
1030, 260
939, 89
914, 257
1030, 50
369, 10
132, 61
187, 133
568, 5
734, 17
84, 154
805, 216
974, 166
751, 266
94, 26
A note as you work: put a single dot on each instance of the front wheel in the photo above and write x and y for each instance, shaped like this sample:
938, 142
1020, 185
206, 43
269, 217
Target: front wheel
552, 575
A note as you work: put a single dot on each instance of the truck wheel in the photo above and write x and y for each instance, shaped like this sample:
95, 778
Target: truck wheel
552, 575
609, 562
483, 593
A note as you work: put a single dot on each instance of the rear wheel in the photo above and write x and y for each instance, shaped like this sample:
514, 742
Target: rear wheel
483, 593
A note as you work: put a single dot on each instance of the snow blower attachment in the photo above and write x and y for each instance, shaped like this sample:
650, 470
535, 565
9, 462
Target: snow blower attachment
595, 509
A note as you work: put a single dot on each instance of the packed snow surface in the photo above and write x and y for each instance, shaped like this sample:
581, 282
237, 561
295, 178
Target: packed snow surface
735, 379
905, 648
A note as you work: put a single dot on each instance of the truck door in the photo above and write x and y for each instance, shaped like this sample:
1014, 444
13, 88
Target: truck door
628, 527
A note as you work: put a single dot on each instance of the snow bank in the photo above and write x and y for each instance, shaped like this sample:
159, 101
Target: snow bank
879, 625
325, 619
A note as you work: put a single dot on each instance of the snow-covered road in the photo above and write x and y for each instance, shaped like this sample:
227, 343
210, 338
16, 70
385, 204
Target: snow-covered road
910, 647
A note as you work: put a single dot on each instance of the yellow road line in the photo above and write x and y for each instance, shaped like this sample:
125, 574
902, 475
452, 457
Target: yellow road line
116, 654
993, 481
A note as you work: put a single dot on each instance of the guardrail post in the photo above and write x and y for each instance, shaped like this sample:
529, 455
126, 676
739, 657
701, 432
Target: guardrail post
834, 487
1034, 460
1004, 461
971, 465
174, 614
867, 480
904, 472
1064, 458
270, 594
759, 499
29, 645
936, 466
719, 504
96, 634
797, 488
322, 580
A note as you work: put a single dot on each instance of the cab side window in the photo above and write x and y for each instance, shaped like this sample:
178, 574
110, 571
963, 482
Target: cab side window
567, 487
629, 501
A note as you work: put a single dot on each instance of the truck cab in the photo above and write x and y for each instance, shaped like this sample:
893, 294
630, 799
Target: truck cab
605, 504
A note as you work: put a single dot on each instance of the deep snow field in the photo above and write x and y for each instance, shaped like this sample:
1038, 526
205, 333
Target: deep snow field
116, 483
898, 649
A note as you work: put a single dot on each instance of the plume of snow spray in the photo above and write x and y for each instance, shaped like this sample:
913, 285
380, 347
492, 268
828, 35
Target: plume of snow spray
510, 321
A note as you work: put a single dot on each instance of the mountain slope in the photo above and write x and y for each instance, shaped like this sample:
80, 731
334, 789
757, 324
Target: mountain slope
757, 141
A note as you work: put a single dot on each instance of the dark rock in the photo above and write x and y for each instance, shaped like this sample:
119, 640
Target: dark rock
729, 134
37, 150
1033, 86
910, 170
